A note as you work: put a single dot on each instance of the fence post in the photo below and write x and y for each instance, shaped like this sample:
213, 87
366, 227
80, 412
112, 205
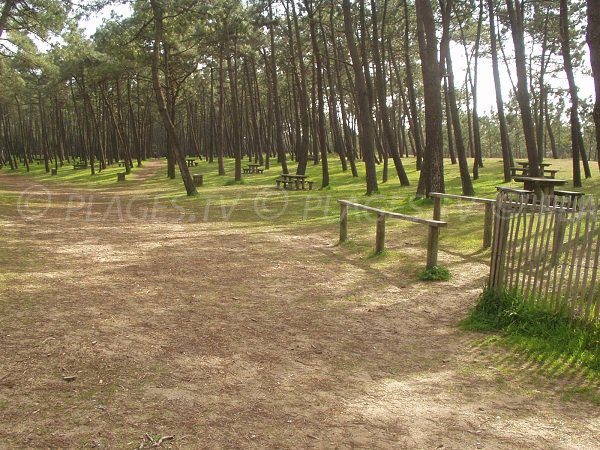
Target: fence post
432, 246
487, 225
437, 208
343, 222
380, 234
502, 220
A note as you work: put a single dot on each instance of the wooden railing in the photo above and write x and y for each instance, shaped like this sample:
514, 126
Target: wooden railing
489, 212
434, 228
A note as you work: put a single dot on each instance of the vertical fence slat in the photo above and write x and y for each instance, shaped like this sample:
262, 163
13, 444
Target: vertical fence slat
550, 251
593, 288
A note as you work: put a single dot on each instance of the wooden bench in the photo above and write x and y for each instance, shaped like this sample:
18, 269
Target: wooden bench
513, 171
513, 190
286, 183
246, 170
551, 172
260, 169
573, 195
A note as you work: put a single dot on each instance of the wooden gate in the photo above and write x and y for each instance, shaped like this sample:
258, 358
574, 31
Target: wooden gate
548, 248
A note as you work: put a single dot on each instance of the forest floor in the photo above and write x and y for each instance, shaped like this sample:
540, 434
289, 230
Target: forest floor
119, 329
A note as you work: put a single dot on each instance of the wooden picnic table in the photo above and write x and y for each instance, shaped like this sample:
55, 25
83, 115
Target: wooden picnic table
526, 164
191, 162
540, 185
253, 167
290, 180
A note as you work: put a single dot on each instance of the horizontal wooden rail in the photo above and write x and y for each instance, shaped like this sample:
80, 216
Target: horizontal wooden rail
463, 197
489, 211
434, 228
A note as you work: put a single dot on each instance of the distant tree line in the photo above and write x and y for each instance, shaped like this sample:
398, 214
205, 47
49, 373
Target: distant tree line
370, 82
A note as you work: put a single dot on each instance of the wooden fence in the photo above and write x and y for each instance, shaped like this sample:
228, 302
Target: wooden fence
488, 217
548, 249
434, 228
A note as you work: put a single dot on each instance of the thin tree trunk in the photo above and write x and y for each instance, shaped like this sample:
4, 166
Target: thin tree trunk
432, 175
515, 14
593, 40
363, 107
161, 102
507, 158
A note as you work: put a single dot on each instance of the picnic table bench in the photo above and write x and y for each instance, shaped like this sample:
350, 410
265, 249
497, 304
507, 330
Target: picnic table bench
525, 164
524, 170
191, 162
80, 165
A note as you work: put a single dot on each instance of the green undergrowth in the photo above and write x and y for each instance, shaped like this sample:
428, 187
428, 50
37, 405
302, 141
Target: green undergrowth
435, 273
550, 338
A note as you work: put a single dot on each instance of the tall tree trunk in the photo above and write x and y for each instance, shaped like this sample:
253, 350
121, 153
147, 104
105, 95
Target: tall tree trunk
161, 102
412, 96
380, 87
445, 57
321, 132
281, 157
507, 158
5, 14
363, 107
593, 40
432, 174
515, 14
576, 136
478, 163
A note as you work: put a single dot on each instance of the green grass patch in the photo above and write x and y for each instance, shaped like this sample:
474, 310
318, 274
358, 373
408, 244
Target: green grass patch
552, 338
436, 273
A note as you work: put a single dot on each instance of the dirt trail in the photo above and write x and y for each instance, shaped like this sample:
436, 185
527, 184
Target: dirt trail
232, 337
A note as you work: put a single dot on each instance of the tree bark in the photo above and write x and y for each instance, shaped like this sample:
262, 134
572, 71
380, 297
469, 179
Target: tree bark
363, 107
576, 137
432, 174
161, 102
515, 14
446, 59
593, 40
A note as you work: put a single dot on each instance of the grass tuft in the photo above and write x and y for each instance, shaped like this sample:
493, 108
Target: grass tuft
233, 182
543, 335
436, 273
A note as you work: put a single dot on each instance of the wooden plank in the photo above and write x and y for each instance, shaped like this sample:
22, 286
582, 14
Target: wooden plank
432, 246
437, 208
581, 247
512, 247
487, 225
380, 234
462, 197
343, 222
538, 294
393, 215
592, 307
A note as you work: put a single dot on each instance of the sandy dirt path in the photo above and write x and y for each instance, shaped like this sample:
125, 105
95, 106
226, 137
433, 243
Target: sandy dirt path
223, 336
